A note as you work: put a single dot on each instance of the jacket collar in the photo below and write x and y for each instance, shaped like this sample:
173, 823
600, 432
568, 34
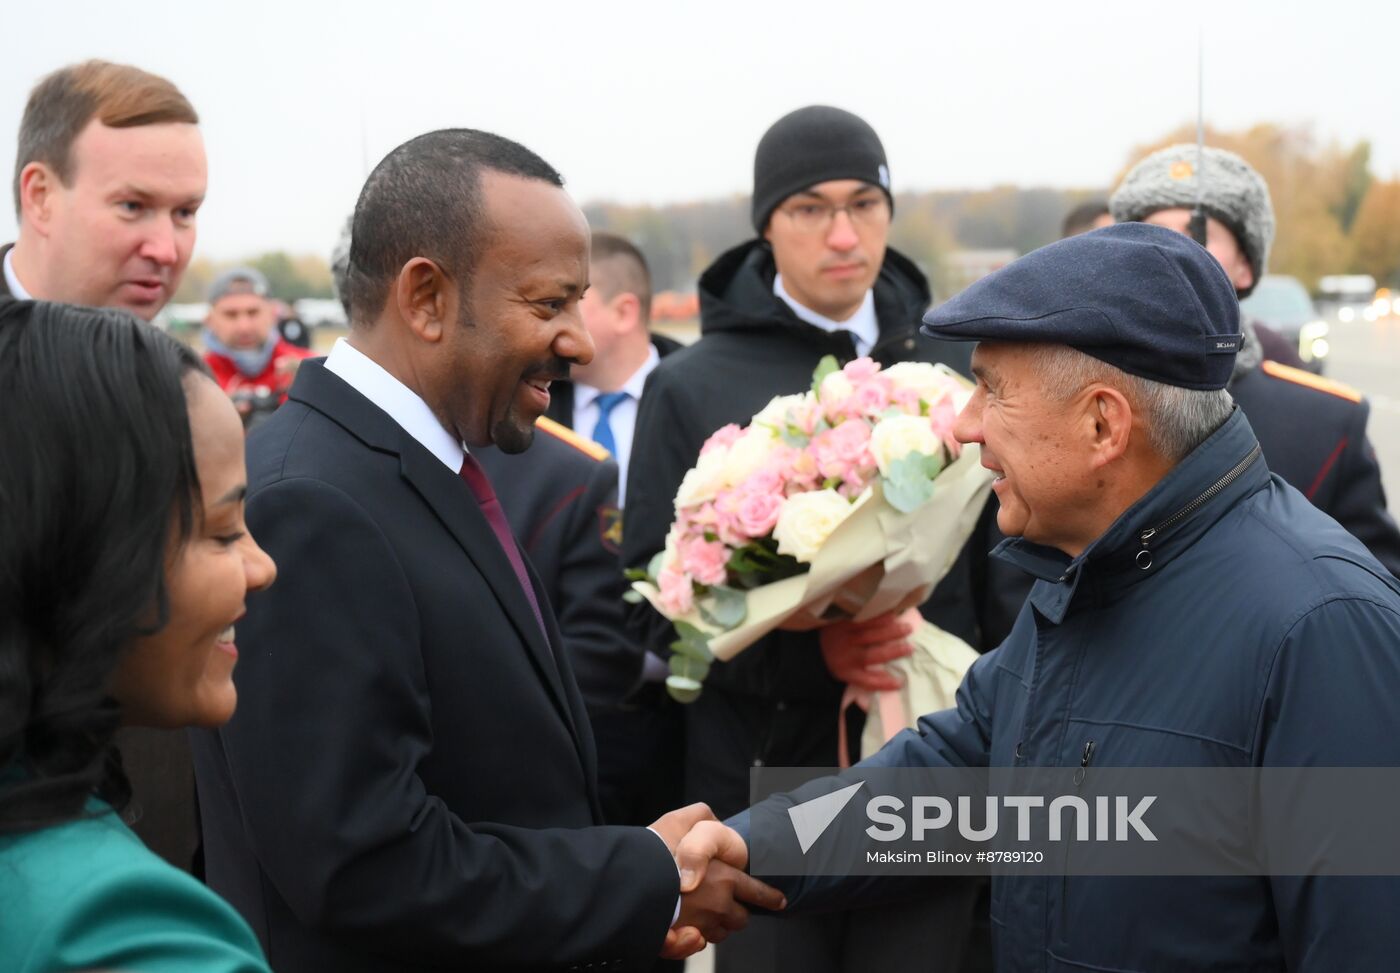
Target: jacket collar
450, 500
1184, 504
736, 292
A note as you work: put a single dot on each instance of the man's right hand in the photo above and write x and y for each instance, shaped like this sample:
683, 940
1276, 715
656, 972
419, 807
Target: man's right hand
711, 858
855, 652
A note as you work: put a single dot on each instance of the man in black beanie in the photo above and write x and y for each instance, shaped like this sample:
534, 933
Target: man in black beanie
818, 280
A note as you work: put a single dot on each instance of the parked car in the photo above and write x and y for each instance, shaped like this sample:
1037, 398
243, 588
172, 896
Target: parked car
1283, 304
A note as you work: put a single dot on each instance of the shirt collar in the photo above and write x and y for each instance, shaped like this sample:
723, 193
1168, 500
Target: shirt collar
402, 404
863, 324
17, 290
585, 394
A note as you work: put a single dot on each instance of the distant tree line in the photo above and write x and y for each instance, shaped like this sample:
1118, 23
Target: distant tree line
289, 278
1334, 215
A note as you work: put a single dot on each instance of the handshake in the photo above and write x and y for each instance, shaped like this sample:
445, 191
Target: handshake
711, 859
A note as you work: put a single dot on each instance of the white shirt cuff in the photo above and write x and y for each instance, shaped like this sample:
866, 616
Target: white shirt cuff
677, 914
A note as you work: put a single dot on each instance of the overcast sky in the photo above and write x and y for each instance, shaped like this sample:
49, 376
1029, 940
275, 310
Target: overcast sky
664, 101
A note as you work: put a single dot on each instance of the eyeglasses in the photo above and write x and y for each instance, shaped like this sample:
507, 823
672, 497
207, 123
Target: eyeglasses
818, 217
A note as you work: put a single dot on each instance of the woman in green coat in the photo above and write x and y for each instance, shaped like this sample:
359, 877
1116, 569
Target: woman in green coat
124, 564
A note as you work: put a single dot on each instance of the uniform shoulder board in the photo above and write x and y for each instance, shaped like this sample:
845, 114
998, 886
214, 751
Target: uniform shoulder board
560, 431
1300, 377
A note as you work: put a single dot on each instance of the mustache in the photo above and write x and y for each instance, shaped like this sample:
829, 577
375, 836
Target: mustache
554, 370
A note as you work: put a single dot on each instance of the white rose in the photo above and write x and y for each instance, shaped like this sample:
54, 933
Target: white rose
704, 481
898, 436
748, 453
835, 388
926, 380
775, 412
807, 520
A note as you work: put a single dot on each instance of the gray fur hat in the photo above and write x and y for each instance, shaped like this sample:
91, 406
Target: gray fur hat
1231, 191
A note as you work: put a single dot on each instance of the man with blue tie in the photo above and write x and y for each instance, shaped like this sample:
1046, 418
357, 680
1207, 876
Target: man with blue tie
640, 742
603, 398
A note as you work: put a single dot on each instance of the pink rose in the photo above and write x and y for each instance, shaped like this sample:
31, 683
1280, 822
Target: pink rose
726, 523
806, 415
942, 417
770, 478
677, 592
704, 560
839, 450
908, 401
871, 398
861, 369
758, 512
721, 438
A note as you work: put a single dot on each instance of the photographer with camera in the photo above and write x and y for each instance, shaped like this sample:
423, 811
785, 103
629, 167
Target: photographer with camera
250, 359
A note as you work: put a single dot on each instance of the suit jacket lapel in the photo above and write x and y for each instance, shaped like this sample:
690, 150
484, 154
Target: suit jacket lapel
450, 499
455, 506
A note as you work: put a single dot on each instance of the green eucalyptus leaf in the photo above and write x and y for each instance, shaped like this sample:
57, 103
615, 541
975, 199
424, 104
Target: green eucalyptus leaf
688, 668
825, 367
730, 607
682, 690
793, 436
654, 566
909, 484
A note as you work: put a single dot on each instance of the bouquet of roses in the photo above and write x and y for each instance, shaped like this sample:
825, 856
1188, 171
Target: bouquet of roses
848, 501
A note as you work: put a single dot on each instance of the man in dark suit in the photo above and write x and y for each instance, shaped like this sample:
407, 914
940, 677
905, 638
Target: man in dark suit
409, 782
109, 175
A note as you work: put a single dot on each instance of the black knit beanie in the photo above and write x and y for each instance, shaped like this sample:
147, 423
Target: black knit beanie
810, 146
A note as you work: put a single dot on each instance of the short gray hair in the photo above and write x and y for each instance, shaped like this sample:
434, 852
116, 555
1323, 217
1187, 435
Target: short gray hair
1177, 419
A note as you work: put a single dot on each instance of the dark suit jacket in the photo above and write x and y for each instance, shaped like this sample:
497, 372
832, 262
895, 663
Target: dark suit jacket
560, 497
5, 294
408, 783
1314, 436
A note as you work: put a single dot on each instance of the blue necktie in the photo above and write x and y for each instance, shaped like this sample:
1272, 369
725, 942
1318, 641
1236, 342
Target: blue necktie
602, 432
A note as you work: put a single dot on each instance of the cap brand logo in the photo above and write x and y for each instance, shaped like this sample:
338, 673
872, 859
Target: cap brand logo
1180, 170
884, 176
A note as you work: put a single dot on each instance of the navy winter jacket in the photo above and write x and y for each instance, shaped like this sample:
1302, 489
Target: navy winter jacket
1253, 632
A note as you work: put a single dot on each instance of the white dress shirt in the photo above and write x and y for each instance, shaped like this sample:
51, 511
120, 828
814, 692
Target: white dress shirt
368, 377
622, 420
863, 325
12, 281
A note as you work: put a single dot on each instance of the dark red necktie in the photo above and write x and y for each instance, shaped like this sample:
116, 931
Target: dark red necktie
481, 488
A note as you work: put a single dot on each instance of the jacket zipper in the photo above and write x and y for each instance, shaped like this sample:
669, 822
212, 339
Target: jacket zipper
1144, 556
1079, 776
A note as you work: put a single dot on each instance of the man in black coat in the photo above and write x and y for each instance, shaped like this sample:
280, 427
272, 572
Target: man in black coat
409, 781
819, 281
1313, 431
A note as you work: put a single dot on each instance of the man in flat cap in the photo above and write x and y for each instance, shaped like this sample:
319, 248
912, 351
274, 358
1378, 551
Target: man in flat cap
1313, 430
817, 279
1191, 610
